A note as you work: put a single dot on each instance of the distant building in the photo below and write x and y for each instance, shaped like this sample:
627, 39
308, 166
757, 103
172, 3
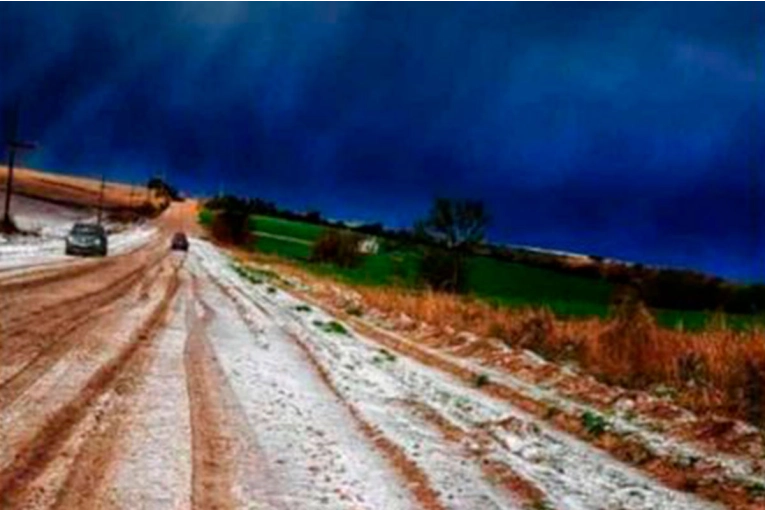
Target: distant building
369, 245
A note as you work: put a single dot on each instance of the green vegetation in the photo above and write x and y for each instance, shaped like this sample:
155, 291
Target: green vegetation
252, 274
594, 423
383, 356
286, 228
249, 274
205, 217
303, 308
507, 283
331, 327
481, 380
756, 489
392, 268
499, 282
281, 247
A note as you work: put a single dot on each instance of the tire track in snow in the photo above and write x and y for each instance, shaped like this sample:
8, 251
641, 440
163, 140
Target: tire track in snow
729, 479
213, 440
316, 454
717, 477
85, 489
417, 480
572, 473
43, 339
152, 467
459, 485
43, 446
475, 448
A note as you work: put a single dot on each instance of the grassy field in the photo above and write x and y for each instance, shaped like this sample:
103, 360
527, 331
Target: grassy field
503, 283
283, 248
286, 228
498, 282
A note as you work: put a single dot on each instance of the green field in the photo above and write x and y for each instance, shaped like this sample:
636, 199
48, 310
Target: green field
283, 248
391, 268
499, 282
513, 284
286, 228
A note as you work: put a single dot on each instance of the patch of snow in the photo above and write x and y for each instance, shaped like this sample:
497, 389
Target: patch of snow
319, 458
25, 251
572, 473
154, 468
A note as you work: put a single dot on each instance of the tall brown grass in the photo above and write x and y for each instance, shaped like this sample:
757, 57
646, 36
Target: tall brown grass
717, 371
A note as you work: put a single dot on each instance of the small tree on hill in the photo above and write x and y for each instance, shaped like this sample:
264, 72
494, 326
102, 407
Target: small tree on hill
451, 228
456, 224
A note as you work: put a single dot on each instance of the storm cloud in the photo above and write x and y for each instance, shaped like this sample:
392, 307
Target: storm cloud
626, 130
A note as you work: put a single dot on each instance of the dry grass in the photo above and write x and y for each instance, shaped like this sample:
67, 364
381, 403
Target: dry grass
718, 371
78, 191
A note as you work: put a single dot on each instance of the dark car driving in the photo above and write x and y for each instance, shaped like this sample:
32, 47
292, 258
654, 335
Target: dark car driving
179, 242
87, 239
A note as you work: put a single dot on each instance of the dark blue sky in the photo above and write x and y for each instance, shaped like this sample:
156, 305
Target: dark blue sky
627, 130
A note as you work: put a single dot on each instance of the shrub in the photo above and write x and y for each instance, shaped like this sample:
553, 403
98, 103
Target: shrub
534, 332
626, 352
331, 327
383, 356
354, 310
692, 368
481, 380
231, 226
593, 423
337, 247
443, 270
205, 217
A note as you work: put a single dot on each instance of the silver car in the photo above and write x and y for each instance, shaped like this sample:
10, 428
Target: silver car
87, 239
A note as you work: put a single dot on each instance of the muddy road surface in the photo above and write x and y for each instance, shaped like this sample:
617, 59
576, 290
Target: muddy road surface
164, 380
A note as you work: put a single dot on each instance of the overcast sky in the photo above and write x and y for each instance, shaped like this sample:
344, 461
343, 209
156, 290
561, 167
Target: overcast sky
627, 130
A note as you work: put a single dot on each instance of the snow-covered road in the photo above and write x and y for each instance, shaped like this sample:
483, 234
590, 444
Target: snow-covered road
175, 382
448, 430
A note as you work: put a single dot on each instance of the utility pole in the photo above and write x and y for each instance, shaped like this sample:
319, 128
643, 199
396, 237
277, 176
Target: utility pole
130, 197
14, 145
101, 197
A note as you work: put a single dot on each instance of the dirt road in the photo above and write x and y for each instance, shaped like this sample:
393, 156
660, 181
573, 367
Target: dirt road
153, 380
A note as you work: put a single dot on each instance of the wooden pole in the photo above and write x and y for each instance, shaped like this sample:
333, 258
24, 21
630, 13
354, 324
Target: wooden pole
101, 197
13, 145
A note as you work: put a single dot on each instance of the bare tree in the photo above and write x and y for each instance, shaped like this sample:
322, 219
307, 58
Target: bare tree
455, 223
451, 227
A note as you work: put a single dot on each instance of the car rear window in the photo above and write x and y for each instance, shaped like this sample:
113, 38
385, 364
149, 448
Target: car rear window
87, 229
